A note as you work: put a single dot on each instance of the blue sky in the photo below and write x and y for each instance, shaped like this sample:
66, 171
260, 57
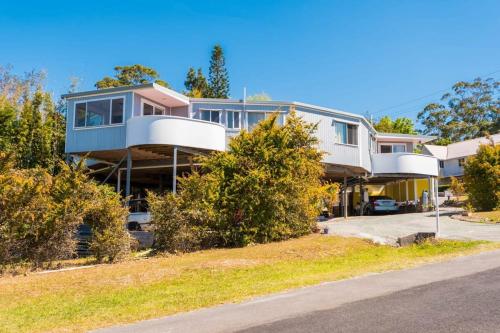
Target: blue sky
358, 56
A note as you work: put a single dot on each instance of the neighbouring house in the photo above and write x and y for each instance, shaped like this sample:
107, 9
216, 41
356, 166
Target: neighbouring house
142, 137
452, 157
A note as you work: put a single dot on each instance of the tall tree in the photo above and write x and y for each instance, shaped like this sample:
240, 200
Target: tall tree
196, 84
401, 125
469, 111
260, 97
218, 79
33, 129
131, 76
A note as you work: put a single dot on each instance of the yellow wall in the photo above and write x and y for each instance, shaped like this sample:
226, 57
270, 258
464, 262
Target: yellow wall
397, 190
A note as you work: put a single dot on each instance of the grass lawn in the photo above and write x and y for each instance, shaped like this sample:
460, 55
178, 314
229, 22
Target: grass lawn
78, 300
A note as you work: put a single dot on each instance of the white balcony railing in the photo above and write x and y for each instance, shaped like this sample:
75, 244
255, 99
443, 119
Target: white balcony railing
175, 131
405, 163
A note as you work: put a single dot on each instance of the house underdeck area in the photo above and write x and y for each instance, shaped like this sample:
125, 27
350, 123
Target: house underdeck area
148, 167
140, 168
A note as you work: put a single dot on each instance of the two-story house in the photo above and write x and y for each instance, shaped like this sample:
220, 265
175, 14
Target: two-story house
142, 137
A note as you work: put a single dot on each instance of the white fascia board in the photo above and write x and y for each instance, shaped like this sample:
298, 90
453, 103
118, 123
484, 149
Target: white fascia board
171, 93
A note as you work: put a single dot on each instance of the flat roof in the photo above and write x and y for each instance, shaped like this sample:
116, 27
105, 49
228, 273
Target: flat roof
151, 90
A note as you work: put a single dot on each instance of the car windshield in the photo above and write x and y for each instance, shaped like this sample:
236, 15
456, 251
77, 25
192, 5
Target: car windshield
379, 197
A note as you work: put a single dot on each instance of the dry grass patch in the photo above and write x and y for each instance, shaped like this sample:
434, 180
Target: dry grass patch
490, 217
78, 300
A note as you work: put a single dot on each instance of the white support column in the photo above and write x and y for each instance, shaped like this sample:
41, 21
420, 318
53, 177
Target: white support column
174, 172
129, 170
345, 197
437, 206
429, 190
361, 197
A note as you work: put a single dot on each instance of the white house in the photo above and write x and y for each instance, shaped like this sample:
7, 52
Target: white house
146, 135
452, 157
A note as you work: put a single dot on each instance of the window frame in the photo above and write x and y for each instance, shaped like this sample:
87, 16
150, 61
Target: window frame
228, 111
122, 123
441, 164
154, 105
266, 114
391, 144
461, 162
346, 124
211, 110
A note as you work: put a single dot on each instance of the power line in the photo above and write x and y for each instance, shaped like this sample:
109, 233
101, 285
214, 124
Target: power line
422, 97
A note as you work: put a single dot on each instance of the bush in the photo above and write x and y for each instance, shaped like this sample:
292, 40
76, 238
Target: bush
482, 177
107, 216
265, 187
40, 213
172, 230
457, 187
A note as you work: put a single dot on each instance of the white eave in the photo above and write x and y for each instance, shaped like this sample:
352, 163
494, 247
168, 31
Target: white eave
152, 91
396, 137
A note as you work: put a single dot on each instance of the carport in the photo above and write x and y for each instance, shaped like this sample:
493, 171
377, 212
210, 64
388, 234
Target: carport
401, 176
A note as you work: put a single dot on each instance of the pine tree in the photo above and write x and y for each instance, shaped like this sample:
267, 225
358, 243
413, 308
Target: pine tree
196, 84
218, 86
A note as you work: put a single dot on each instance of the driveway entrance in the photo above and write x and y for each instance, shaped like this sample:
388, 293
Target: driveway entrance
386, 229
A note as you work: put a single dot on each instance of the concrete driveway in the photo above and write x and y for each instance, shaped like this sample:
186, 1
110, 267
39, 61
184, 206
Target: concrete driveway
386, 229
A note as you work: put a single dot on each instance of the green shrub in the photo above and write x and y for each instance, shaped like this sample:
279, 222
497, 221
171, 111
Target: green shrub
266, 187
172, 230
40, 213
107, 216
457, 187
482, 177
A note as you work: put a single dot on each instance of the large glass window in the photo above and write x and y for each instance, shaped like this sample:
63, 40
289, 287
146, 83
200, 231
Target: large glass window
233, 119
385, 149
81, 109
99, 112
346, 133
392, 148
210, 115
149, 109
117, 111
398, 148
254, 118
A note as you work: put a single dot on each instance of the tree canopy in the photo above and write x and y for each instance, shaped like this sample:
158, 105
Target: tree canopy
482, 177
401, 125
33, 128
196, 84
131, 76
260, 97
218, 79
469, 111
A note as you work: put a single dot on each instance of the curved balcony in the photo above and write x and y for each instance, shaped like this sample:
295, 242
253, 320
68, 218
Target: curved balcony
175, 131
404, 164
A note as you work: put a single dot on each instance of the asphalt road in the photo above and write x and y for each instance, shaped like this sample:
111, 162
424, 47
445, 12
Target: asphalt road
460, 295
466, 304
